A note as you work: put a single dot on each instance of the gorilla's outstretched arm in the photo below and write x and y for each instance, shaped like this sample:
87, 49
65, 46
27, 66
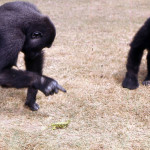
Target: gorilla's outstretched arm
22, 79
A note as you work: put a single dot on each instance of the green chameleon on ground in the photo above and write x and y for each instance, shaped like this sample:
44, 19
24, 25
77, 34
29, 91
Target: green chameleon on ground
60, 125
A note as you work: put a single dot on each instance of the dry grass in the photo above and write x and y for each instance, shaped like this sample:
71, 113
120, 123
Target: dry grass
88, 58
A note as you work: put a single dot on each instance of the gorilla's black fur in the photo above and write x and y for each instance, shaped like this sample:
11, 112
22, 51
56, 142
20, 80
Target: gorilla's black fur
24, 28
141, 41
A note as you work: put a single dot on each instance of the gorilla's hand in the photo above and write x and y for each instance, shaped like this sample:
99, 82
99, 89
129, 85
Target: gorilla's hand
130, 81
49, 86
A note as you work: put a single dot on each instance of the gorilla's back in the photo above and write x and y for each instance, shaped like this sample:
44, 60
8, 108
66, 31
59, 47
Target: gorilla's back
19, 6
15, 12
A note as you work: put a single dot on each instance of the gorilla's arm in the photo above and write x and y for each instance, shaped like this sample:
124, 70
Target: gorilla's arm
22, 79
139, 43
34, 65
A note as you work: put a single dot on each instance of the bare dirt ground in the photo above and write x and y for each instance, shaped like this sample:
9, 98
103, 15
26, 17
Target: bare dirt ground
88, 58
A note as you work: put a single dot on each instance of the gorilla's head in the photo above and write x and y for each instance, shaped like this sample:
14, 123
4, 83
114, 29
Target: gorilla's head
39, 33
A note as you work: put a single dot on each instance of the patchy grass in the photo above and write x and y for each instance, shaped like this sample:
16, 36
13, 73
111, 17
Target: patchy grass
88, 58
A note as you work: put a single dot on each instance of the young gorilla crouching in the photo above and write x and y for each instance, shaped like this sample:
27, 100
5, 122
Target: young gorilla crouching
24, 28
141, 41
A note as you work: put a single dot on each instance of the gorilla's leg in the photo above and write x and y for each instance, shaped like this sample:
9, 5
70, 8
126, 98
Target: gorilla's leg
133, 63
147, 79
34, 65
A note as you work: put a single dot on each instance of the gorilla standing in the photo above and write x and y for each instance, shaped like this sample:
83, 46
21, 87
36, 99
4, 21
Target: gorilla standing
140, 42
24, 28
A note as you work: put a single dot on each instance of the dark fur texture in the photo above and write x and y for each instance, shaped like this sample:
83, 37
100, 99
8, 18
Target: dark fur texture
141, 41
24, 28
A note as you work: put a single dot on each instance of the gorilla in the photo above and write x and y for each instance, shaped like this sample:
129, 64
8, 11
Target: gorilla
141, 41
24, 29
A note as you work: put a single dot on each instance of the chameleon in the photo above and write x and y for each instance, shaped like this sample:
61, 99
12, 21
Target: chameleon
60, 125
